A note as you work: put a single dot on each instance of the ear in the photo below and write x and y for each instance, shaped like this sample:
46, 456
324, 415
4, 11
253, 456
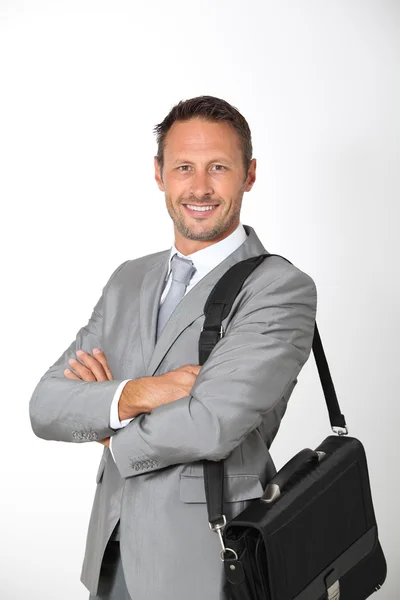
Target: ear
251, 175
157, 175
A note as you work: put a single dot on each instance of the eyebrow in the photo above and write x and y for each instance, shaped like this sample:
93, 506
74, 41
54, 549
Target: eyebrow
218, 159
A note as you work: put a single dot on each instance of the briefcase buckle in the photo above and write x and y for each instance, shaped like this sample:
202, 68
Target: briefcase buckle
334, 591
332, 585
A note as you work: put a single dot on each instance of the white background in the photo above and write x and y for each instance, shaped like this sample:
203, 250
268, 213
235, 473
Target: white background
82, 84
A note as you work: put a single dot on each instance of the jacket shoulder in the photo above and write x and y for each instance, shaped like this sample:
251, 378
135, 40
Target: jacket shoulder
274, 268
273, 275
138, 265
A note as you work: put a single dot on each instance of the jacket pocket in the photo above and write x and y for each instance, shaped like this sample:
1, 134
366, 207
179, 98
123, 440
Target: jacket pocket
236, 488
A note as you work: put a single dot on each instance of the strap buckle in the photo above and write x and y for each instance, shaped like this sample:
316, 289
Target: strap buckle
221, 331
218, 526
340, 430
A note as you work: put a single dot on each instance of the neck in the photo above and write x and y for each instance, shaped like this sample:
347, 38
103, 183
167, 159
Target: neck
187, 246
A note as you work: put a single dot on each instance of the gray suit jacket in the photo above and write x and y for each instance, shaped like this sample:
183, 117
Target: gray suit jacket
156, 485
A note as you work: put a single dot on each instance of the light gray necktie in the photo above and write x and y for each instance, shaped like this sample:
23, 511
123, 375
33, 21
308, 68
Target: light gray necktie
182, 271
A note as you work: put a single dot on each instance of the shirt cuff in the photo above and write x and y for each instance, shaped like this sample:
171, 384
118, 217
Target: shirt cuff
110, 448
115, 423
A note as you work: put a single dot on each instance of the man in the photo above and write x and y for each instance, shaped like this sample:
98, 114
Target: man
131, 378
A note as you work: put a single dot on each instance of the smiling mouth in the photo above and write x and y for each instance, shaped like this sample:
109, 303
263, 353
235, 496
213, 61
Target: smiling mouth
200, 210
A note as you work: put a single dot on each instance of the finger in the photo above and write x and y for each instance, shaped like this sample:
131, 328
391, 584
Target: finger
101, 357
70, 375
84, 373
93, 365
194, 369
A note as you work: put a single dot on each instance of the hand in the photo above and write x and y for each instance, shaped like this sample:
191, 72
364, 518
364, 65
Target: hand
105, 442
145, 393
170, 386
94, 368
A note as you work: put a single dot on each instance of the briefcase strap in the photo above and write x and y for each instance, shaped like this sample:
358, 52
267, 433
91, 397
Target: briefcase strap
216, 309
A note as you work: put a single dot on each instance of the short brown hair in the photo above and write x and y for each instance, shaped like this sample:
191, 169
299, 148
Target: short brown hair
208, 108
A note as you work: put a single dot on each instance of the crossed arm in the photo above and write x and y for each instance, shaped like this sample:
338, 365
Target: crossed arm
138, 396
245, 379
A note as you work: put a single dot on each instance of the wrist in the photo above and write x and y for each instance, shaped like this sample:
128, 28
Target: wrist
133, 399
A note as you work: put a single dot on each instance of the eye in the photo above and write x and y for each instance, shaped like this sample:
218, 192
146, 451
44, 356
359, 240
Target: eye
220, 167
183, 167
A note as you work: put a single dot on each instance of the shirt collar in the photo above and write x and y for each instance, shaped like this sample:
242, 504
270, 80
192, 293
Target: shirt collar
208, 258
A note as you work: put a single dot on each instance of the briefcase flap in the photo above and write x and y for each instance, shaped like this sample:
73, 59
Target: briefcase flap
320, 526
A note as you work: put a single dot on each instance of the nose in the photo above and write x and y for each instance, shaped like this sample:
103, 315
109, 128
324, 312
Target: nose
201, 184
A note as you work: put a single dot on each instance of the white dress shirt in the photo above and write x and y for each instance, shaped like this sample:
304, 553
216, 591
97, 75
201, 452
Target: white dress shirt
204, 260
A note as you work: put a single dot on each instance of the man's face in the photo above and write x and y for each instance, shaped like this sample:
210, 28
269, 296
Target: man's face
203, 168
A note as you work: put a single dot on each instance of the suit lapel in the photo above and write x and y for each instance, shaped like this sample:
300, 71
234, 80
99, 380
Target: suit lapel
190, 307
150, 294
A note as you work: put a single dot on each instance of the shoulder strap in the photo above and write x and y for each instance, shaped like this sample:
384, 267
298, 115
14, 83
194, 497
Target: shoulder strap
217, 308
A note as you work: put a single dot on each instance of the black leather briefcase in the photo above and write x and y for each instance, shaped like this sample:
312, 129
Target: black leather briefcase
313, 534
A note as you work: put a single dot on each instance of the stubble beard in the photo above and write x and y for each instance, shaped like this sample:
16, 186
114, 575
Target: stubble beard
220, 227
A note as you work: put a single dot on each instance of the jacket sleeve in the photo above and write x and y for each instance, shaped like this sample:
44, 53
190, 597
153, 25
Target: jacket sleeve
242, 383
69, 410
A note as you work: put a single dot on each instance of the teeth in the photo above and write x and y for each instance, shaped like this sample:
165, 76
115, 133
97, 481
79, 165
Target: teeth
200, 208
